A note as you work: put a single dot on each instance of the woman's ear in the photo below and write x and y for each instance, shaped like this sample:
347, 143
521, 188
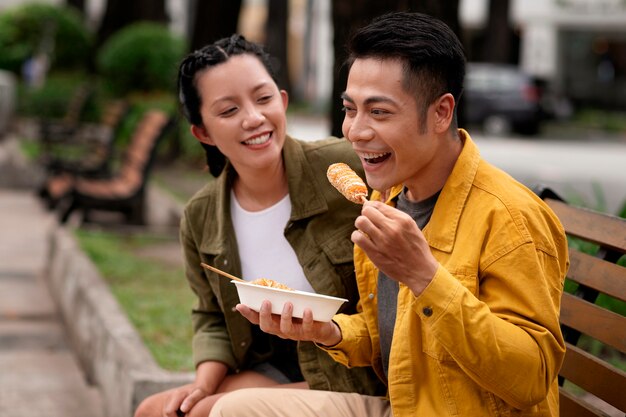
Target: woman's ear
200, 133
444, 112
285, 97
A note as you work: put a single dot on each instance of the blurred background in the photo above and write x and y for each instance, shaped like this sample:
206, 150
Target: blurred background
545, 100
540, 70
572, 51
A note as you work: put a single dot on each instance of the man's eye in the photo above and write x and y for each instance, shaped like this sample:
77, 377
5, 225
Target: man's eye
379, 112
265, 99
347, 109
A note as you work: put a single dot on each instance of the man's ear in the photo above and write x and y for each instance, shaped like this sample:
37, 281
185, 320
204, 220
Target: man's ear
200, 133
444, 112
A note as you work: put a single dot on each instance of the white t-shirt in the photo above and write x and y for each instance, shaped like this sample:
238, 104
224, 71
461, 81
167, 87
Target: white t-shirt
263, 248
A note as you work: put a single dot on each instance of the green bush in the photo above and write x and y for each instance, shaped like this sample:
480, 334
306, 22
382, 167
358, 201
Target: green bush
22, 29
141, 57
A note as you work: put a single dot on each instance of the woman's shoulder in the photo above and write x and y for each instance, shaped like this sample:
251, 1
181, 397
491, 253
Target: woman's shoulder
205, 197
330, 150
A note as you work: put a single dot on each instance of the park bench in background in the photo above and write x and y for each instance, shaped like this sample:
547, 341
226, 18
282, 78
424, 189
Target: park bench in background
53, 130
599, 281
89, 149
124, 191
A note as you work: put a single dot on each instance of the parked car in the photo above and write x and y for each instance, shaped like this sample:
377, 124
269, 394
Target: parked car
501, 98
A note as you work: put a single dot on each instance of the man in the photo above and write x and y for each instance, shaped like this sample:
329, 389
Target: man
460, 268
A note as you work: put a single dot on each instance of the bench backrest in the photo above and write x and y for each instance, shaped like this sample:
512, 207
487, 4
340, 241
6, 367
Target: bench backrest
599, 282
77, 104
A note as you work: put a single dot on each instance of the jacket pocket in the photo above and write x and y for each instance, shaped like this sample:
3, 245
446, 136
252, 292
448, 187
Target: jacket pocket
430, 345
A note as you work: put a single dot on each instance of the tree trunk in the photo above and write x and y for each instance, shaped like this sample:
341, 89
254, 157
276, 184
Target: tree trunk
78, 5
120, 13
213, 20
276, 40
348, 15
499, 35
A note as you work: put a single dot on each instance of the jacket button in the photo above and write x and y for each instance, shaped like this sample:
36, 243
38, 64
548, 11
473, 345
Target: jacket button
427, 311
234, 309
371, 296
225, 262
243, 344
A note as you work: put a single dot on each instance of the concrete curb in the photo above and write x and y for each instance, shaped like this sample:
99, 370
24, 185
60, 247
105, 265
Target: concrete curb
107, 345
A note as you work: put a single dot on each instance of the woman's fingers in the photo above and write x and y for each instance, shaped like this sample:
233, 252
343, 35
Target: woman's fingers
196, 395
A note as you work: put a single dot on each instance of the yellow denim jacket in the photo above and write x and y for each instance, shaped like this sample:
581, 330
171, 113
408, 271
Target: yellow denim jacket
483, 339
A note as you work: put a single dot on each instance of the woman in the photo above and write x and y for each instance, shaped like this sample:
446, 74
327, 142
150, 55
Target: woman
269, 213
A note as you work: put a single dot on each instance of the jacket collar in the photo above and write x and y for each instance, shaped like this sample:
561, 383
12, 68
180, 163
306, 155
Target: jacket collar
305, 193
442, 228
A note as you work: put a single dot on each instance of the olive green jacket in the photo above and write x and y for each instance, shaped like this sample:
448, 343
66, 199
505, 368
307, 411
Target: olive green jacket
319, 230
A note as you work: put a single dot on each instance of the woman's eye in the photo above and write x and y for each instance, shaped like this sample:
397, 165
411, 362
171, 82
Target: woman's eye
265, 99
228, 111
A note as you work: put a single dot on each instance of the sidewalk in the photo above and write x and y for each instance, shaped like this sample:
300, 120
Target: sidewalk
40, 375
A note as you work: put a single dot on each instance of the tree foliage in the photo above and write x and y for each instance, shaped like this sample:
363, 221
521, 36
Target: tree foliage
141, 57
34, 28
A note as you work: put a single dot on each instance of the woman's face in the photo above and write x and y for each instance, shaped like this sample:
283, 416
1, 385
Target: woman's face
243, 112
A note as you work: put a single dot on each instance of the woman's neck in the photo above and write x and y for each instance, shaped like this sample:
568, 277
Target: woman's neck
261, 189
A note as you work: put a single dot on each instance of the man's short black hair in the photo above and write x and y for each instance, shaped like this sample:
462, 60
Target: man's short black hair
432, 55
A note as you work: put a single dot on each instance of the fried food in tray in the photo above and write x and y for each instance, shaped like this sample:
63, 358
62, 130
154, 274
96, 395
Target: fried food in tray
266, 282
347, 182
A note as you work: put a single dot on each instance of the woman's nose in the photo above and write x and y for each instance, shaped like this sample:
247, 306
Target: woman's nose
253, 119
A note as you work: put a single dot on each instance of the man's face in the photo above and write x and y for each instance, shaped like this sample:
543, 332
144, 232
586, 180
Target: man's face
382, 120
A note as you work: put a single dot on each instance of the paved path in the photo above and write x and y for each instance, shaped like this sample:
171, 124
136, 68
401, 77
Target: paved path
39, 375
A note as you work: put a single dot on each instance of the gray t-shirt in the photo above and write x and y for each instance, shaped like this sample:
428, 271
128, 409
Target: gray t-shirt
387, 288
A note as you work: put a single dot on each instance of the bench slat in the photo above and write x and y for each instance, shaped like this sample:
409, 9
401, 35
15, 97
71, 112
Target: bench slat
603, 229
597, 322
595, 376
573, 406
595, 273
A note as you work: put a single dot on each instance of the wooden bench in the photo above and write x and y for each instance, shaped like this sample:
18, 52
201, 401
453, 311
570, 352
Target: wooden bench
54, 130
89, 150
592, 331
124, 191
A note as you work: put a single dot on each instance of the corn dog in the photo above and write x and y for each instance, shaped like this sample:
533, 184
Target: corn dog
344, 179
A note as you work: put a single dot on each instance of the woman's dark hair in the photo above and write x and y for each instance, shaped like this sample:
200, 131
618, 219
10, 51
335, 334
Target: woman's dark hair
433, 57
207, 57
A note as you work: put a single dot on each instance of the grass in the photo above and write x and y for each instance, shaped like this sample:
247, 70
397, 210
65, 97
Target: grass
153, 293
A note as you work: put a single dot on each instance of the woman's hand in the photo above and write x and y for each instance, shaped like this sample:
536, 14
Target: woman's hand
209, 376
183, 399
288, 327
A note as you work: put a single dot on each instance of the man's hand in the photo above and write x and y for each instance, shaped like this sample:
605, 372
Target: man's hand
288, 327
394, 243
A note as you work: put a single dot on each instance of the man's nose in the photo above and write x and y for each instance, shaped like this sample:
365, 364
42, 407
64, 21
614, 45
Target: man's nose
356, 129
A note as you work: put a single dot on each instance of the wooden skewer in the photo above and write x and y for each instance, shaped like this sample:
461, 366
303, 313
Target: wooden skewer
219, 271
